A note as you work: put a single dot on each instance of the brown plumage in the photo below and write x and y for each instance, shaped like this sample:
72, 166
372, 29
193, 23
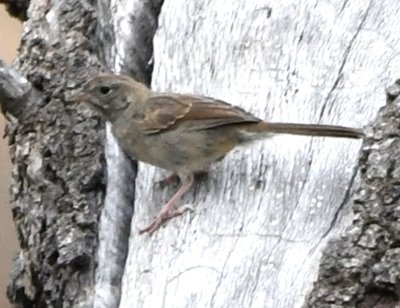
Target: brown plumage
182, 133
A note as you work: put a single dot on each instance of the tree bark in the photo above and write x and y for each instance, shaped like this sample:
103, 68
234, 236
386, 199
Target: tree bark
57, 182
362, 267
263, 219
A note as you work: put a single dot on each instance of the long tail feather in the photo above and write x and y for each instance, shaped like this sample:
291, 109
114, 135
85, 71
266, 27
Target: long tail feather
307, 129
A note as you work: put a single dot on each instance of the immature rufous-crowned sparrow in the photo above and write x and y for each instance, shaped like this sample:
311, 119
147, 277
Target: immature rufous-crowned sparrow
182, 133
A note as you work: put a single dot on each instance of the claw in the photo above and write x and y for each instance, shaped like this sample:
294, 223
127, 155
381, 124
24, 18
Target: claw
163, 217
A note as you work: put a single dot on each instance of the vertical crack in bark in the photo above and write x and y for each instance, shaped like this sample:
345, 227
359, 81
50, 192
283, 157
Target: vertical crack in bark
346, 198
126, 32
344, 5
344, 60
221, 275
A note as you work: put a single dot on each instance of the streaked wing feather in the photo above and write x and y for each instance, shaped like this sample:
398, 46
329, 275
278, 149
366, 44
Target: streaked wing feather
194, 112
161, 112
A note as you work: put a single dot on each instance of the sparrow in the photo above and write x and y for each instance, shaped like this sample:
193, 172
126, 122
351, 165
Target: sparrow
182, 133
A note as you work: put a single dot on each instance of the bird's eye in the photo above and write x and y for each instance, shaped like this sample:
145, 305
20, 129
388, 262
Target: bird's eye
105, 90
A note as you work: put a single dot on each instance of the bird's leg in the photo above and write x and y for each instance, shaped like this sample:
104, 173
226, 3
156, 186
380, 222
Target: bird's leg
172, 178
200, 175
169, 211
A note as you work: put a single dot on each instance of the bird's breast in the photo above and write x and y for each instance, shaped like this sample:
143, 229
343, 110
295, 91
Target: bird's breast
177, 150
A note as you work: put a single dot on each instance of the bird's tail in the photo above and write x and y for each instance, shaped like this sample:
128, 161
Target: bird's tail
305, 129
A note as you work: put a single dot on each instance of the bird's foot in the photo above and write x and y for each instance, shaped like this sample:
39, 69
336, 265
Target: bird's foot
162, 217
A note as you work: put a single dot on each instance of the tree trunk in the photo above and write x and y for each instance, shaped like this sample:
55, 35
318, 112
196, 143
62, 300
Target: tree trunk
262, 221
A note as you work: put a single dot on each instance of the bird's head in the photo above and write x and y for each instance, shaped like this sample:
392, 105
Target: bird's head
111, 94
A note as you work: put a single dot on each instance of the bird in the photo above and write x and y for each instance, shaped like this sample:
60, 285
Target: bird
182, 133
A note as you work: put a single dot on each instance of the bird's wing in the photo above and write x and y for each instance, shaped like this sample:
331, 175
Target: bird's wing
164, 112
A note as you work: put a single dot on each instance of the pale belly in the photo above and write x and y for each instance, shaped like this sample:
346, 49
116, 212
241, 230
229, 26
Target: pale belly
182, 152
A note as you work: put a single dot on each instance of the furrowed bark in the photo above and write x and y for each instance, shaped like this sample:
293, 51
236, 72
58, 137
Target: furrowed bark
58, 179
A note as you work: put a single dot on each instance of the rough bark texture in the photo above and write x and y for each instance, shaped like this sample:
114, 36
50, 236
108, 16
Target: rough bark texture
57, 185
362, 268
263, 217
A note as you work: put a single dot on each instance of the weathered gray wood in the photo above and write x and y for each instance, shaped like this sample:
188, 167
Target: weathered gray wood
125, 29
16, 94
114, 225
263, 216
